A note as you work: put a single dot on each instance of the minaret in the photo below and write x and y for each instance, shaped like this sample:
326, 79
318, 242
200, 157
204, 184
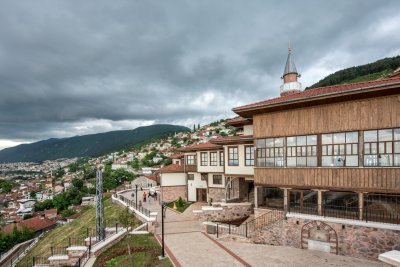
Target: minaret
290, 84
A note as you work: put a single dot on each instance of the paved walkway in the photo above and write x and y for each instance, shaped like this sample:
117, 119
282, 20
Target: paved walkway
191, 247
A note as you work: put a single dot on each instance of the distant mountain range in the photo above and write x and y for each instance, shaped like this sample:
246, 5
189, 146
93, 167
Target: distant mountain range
368, 72
86, 145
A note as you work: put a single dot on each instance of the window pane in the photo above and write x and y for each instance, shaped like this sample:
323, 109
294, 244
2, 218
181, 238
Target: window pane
269, 142
397, 147
371, 160
260, 143
396, 160
327, 161
330, 150
312, 161
327, 139
301, 161
367, 149
278, 142
341, 149
291, 161
397, 134
355, 148
385, 135
381, 148
374, 148
339, 138
291, 141
370, 136
352, 137
336, 150
301, 140
311, 140
389, 147
348, 149
385, 160
352, 161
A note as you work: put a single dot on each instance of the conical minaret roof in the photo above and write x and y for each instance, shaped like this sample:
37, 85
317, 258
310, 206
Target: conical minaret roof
290, 66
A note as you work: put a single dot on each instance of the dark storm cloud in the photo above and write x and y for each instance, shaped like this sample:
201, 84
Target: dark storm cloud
75, 67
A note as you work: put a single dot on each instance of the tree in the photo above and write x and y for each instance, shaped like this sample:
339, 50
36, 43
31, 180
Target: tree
125, 218
68, 212
60, 173
6, 186
45, 205
198, 126
27, 216
194, 127
32, 194
77, 183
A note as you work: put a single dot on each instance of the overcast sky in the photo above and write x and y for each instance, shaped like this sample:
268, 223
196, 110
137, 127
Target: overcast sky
78, 67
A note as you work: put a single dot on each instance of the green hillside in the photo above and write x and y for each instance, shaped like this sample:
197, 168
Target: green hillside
75, 229
86, 145
367, 72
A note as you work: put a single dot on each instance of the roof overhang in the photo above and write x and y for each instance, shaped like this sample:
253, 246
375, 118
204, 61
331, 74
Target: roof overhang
233, 140
334, 97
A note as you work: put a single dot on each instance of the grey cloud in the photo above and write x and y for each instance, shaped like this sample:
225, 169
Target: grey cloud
99, 63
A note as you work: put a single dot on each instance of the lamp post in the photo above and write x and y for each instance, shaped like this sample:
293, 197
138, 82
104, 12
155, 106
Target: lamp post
163, 209
136, 185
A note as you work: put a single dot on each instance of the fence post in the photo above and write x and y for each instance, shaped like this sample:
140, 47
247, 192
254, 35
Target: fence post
69, 241
33, 261
217, 230
229, 228
246, 229
52, 250
116, 228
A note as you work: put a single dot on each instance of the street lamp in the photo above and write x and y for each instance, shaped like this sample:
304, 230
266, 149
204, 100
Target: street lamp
163, 210
136, 185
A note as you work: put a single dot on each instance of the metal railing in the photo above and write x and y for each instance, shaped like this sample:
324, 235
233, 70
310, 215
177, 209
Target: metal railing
82, 260
40, 261
248, 228
381, 215
58, 250
137, 206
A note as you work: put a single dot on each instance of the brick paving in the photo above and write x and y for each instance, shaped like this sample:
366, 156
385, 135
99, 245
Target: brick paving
189, 246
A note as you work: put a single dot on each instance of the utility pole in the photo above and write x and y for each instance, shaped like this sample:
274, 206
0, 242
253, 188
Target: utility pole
100, 228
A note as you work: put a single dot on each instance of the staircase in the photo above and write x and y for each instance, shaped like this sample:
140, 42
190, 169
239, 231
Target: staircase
249, 227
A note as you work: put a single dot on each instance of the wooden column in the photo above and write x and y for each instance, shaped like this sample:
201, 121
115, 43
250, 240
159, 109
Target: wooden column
361, 205
319, 192
256, 196
285, 200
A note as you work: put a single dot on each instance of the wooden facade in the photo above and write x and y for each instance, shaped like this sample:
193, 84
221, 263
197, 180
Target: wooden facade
374, 113
343, 179
366, 114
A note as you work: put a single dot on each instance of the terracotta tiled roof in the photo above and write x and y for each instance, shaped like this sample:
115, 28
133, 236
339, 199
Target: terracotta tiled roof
321, 91
151, 177
238, 121
35, 223
233, 139
176, 156
50, 211
171, 168
201, 146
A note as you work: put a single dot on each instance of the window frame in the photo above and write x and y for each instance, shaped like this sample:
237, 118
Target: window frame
192, 159
262, 152
378, 153
217, 176
251, 154
231, 154
203, 158
221, 158
298, 149
215, 161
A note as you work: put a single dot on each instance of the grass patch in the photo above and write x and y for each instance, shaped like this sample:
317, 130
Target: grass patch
144, 252
76, 229
179, 207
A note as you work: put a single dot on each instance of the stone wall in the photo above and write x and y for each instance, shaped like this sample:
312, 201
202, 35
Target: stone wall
217, 194
224, 212
171, 193
355, 241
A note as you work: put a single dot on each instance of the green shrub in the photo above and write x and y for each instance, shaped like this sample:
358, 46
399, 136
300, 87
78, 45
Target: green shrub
180, 202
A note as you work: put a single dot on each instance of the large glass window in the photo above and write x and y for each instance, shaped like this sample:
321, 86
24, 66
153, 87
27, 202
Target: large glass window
213, 158
270, 152
203, 159
340, 149
191, 160
249, 155
233, 156
382, 147
302, 151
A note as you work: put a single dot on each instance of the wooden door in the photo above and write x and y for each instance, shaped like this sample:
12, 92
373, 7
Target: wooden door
201, 195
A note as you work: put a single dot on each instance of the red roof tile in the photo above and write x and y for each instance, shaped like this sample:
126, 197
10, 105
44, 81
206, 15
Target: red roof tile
171, 168
320, 91
233, 139
239, 120
201, 146
35, 223
152, 177
176, 156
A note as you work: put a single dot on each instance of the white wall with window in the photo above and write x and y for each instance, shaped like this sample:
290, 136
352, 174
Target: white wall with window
210, 161
194, 182
236, 158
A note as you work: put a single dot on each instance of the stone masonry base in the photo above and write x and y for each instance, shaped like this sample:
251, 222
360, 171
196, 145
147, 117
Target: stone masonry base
216, 194
172, 193
355, 241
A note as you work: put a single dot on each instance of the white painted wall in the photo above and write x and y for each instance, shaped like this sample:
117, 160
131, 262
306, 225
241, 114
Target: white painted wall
248, 130
193, 184
210, 180
208, 168
173, 179
241, 169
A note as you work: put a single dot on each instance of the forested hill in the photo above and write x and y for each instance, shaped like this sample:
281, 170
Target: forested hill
367, 72
86, 145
